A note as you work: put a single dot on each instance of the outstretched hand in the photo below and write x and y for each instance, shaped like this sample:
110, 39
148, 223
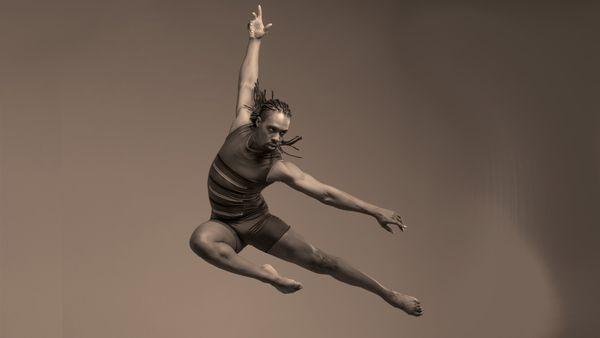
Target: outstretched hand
386, 217
256, 29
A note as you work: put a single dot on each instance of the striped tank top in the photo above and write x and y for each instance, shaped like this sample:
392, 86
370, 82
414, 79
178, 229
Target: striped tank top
237, 176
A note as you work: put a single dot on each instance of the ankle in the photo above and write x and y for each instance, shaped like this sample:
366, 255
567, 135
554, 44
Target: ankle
386, 293
268, 276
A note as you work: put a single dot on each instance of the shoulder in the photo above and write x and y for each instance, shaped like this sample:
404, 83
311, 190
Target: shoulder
239, 128
284, 171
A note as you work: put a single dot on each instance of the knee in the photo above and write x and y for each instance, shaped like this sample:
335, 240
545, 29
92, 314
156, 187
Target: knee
206, 247
200, 244
322, 262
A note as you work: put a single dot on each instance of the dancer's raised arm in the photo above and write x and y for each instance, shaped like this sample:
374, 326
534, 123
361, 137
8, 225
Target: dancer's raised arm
249, 69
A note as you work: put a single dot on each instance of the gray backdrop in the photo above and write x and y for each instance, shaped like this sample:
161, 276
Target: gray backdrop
477, 121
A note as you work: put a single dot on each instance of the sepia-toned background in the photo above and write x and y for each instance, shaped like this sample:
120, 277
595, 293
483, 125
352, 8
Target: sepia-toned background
476, 121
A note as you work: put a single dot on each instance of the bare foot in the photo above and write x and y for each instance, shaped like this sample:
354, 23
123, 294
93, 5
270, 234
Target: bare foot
284, 285
407, 303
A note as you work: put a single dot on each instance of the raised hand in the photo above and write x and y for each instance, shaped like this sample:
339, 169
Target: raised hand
386, 217
256, 29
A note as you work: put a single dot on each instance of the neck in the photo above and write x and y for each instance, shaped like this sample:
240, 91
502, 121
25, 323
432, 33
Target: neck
252, 144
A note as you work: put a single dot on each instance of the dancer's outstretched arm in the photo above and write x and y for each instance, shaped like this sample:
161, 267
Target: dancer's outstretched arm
288, 173
249, 69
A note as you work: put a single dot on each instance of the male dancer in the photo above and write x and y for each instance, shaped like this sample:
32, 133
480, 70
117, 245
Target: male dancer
249, 160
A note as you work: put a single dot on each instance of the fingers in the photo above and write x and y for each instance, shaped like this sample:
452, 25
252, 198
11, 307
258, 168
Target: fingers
259, 18
387, 228
400, 226
398, 222
394, 219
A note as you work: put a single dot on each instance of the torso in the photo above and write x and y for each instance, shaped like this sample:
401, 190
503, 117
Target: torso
237, 176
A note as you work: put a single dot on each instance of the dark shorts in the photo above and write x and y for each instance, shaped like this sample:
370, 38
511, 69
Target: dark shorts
261, 232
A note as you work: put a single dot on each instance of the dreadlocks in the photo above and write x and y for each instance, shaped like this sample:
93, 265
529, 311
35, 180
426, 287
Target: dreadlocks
261, 106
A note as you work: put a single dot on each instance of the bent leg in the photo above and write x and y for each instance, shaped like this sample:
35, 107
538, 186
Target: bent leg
215, 244
292, 247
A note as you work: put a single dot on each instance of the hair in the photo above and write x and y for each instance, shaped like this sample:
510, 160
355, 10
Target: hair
261, 105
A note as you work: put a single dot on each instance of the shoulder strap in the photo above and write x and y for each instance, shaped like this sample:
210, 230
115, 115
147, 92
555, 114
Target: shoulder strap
239, 129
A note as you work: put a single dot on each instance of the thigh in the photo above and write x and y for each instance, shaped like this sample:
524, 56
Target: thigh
262, 232
217, 231
293, 247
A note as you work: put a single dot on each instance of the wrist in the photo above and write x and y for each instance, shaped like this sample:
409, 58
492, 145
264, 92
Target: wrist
375, 211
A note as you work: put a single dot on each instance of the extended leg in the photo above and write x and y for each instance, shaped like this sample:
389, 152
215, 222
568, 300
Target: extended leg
294, 248
215, 244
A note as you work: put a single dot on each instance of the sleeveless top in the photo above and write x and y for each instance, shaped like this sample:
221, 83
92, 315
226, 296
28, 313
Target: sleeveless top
237, 176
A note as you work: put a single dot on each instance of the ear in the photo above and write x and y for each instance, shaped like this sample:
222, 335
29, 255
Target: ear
257, 121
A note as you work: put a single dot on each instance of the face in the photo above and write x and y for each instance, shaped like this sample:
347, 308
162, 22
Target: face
270, 131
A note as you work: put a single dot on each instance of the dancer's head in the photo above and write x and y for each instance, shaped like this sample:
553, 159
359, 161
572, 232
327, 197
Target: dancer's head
270, 120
